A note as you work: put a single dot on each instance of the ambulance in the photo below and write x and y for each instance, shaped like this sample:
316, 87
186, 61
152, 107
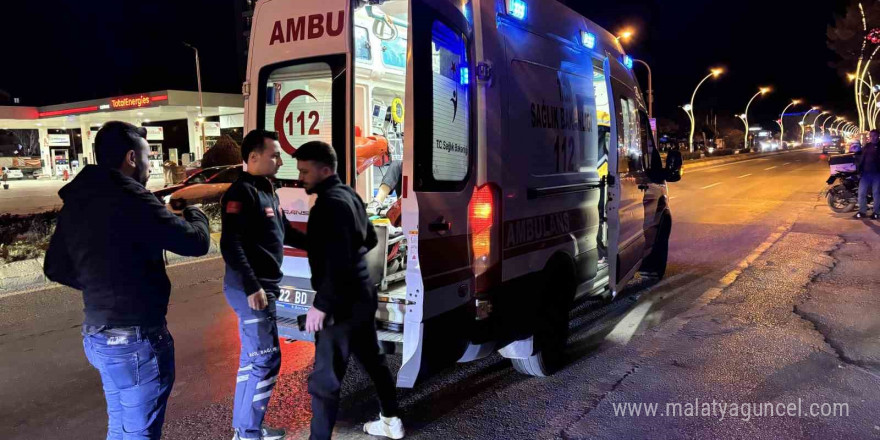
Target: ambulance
526, 173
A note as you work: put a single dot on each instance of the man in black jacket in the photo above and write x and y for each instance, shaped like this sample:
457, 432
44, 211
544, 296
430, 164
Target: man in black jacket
343, 315
108, 242
252, 243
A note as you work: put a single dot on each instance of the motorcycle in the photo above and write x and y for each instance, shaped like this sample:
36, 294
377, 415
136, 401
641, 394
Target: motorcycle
843, 196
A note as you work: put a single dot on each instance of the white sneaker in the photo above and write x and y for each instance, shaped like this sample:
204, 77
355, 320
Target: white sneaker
373, 208
391, 427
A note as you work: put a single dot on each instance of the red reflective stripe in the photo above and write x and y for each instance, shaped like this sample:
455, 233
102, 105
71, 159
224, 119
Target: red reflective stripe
405, 186
158, 98
294, 252
69, 111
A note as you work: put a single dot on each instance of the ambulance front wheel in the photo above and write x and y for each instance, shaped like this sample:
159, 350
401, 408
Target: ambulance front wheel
557, 285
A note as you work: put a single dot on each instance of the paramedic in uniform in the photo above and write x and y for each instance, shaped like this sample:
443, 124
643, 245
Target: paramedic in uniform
344, 311
252, 244
108, 243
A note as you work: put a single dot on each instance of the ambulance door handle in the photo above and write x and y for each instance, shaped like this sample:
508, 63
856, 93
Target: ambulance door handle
440, 226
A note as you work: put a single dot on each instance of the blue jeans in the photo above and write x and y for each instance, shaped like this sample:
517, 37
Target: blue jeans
869, 181
259, 363
137, 370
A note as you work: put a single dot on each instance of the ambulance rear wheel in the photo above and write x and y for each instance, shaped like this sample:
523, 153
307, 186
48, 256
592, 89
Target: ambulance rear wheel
551, 334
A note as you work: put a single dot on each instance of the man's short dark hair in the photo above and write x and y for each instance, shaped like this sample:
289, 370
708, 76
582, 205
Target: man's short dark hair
256, 141
317, 151
114, 140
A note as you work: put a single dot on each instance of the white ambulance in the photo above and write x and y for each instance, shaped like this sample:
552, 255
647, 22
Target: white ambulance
529, 174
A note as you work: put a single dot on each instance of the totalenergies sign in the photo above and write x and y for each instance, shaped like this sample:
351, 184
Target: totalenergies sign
136, 101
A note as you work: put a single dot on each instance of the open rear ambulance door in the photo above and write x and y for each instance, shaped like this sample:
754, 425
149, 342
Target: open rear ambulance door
299, 84
438, 187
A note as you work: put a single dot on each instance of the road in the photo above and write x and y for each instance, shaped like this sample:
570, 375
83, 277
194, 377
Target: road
724, 218
33, 196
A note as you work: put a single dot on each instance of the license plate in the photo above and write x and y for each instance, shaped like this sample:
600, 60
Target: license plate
297, 297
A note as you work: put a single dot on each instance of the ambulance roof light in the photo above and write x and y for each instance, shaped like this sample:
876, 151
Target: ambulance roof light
628, 61
517, 9
588, 39
464, 74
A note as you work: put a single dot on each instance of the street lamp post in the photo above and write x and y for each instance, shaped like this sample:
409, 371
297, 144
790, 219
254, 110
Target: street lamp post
201, 102
745, 116
822, 125
782, 121
650, 89
836, 125
690, 109
814, 125
803, 123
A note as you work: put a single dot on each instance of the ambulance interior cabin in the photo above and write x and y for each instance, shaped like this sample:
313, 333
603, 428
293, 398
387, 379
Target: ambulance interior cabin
380, 48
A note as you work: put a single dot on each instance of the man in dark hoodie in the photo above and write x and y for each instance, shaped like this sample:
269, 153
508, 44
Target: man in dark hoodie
343, 315
108, 243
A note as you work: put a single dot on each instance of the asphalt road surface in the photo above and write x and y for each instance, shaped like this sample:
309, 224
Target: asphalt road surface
723, 216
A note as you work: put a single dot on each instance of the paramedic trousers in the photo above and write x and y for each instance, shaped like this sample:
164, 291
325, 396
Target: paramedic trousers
258, 365
869, 182
333, 347
136, 365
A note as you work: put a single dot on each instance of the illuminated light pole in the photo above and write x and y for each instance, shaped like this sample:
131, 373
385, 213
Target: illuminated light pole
690, 108
625, 35
836, 125
745, 116
650, 89
201, 102
822, 125
782, 122
814, 125
803, 123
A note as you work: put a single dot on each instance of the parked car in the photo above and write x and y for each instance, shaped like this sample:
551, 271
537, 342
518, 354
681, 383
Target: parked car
836, 144
13, 173
208, 190
201, 176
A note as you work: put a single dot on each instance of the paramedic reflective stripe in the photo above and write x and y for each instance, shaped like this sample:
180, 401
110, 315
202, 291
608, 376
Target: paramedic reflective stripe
253, 321
262, 396
267, 382
248, 368
242, 378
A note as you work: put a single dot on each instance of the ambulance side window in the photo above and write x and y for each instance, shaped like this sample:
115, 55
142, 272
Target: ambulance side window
299, 107
451, 105
629, 147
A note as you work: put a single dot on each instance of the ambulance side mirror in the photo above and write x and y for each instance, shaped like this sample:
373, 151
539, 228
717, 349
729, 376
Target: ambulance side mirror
673, 166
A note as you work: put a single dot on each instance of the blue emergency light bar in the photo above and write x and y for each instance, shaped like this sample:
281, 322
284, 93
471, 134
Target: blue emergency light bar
628, 61
464, 74
516, 9
588, 40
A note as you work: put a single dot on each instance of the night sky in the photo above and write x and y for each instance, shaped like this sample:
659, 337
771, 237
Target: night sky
59, 51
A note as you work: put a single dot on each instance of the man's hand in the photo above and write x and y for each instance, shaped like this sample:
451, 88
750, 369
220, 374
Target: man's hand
315, 320
258, 301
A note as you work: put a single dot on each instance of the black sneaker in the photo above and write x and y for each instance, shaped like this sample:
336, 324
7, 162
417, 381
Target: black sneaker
860, 215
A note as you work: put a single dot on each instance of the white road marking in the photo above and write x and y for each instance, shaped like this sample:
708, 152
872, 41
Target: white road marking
744, 175
767, 169
709, 186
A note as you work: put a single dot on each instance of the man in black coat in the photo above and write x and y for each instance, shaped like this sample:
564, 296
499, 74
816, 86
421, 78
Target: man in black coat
108, 242
343, 315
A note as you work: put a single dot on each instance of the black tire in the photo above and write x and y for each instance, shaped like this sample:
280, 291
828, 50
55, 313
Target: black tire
654, 265
551, 333
840, 200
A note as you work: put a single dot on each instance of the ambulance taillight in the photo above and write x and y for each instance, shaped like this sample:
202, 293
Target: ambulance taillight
482, 219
